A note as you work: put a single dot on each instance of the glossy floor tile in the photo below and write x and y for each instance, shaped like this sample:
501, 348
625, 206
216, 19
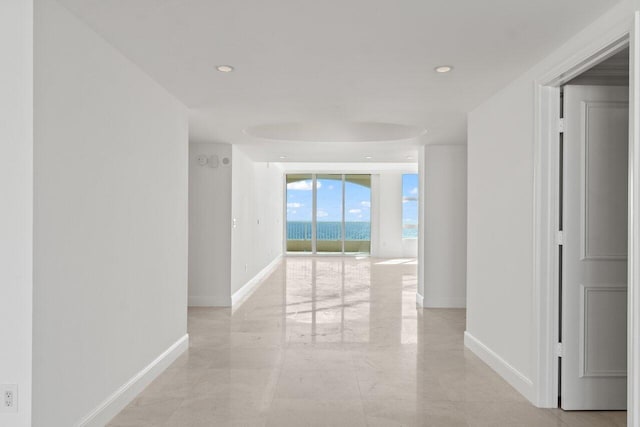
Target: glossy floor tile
336, 342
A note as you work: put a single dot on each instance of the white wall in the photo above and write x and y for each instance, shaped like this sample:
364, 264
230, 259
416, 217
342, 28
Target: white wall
235, 222
500, 223
16, 188
257, 209
445, 225
110, 226
500, 276
209, 227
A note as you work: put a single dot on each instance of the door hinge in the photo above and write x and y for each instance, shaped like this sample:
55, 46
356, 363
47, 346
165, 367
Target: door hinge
559, 350
560, 237
561, 125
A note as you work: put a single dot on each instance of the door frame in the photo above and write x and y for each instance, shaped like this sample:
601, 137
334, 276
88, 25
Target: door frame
314, 220
546, 205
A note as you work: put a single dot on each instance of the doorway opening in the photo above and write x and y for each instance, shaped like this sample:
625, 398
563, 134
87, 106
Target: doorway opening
328, 214
592, 237
582, 231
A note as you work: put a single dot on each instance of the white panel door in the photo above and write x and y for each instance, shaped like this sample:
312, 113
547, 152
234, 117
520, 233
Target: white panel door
594, 256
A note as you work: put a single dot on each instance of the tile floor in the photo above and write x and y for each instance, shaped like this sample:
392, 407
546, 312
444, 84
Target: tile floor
336, 342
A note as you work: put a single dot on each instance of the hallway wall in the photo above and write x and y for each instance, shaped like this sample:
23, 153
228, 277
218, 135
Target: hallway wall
209, 226
500, 223
110, 227
445, 226
501, 322
235, 222
16, 214
257, 209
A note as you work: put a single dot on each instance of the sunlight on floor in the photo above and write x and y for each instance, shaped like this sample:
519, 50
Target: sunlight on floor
336, 341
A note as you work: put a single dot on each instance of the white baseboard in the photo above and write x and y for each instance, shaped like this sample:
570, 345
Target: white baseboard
248, 288
510, 374
445, 302
209, 301
419, 299
115, 403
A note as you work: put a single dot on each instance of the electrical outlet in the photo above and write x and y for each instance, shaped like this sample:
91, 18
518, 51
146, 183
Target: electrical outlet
9, 401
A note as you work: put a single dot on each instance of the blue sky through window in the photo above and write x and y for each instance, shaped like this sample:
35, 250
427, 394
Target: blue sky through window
357, 201
299, 200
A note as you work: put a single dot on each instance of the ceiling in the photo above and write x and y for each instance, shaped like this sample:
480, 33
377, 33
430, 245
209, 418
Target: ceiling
349, 66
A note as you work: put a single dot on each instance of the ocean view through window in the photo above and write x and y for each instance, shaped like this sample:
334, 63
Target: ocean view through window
328, 213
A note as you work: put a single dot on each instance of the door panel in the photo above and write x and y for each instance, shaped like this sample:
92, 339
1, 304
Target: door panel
329, 213
594, 291
603, 315
605, 182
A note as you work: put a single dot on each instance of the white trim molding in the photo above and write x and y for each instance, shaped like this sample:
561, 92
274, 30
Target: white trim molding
633, 327
117, 401
209, 301
515, 378
419, 300
452, 302
250, 287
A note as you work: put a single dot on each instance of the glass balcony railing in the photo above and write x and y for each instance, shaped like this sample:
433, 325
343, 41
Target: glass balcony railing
357, 237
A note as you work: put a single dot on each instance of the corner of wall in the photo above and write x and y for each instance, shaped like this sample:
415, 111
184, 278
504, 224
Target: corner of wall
514, 377
120, 398
242, 294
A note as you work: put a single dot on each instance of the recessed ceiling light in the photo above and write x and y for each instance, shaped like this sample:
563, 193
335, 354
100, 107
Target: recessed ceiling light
368, 157
443, 68
409, 158
224, 68
283, 157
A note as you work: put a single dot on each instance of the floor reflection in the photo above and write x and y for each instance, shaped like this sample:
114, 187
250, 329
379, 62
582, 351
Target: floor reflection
335, 341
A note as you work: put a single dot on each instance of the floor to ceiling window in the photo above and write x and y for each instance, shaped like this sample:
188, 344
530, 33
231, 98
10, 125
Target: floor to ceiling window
357, 191
410, 206
299, 213
328, 213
